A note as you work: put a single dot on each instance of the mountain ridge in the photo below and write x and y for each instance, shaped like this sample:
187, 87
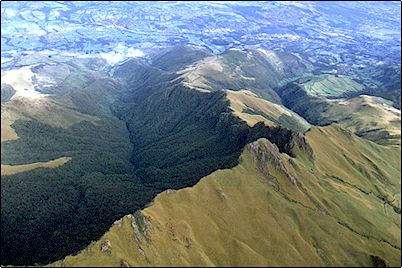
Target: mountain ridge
157, 132
172, 221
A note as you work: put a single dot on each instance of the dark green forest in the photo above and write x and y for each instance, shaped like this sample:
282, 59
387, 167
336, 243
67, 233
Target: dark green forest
111, 172
153, 134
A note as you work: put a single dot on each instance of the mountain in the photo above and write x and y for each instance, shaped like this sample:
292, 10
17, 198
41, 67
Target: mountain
322, 102
252, 109
62, 119
258, 70
99, 141
200, 133
270, 210
128, 128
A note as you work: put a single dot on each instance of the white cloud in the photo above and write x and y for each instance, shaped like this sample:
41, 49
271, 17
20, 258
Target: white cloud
120, 48
134, 53
21, 80
121, 53
112, 57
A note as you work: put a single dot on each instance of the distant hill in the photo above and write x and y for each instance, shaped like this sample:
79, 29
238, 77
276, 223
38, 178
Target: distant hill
257, 70
321, 102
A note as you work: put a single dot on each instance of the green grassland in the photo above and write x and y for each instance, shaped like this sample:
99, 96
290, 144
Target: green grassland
330, 86
373, 118
252, 109
257, 70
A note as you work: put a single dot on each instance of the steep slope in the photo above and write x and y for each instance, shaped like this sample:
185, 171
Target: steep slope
134, 129
387, 80
47, 89
62, 154
8, 117
177, 57
252, 109
339, 205
257, 70
329, 86
370, 117
179, 133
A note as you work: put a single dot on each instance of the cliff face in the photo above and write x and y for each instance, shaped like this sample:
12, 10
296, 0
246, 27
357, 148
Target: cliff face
269, 210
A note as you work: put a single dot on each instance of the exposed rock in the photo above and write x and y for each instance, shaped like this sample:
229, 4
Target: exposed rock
169, 191
105, 246
377, 261
124, 264
118, 222
141, 227
141, 251
265, 152
221, 194
299, 140
285, 139
188, 242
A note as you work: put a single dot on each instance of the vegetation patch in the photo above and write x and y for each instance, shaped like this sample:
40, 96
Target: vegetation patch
10, 170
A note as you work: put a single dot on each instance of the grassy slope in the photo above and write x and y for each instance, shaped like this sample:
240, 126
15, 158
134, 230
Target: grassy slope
112, 202
253, 109
13, 169
168, 60
54, 111
331, 86
66, 79
370, 117
99, 184
256, 70
57, 111
270, 210
8, 117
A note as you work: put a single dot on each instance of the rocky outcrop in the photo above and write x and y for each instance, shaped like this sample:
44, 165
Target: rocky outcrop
285, 139
299, 141
105, 246
267, 154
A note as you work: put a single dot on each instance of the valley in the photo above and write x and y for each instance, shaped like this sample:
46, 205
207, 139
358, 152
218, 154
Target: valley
196, 159
141, 130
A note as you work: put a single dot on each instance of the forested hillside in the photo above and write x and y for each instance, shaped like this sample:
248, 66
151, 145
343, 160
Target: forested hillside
99, 142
